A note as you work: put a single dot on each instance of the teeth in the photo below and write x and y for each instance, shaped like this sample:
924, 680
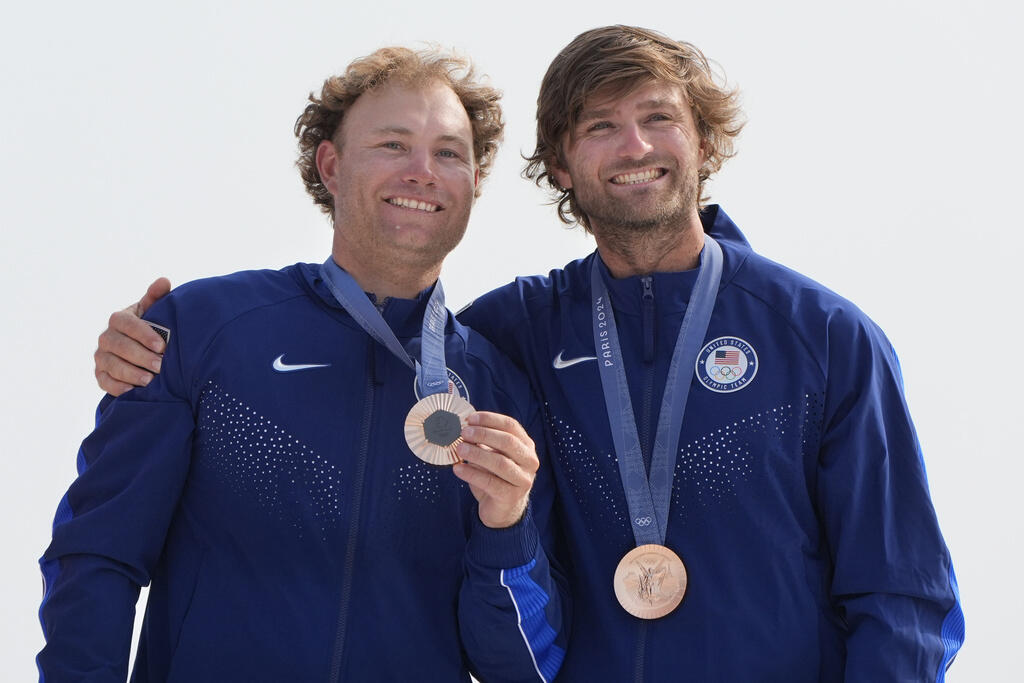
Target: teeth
412, 204
638, 177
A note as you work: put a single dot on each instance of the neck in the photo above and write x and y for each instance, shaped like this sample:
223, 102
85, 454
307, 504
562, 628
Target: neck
384, 275
663, 249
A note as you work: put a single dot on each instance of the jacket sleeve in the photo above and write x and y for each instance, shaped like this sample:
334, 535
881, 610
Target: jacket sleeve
109, 530
893, 583
513, 604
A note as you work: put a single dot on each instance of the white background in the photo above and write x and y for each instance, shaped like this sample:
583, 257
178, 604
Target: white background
882, 157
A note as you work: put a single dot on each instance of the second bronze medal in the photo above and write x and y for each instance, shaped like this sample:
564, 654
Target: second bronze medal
650, 581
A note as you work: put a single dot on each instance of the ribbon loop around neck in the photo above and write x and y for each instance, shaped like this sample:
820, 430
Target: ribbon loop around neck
648, 496
431, 371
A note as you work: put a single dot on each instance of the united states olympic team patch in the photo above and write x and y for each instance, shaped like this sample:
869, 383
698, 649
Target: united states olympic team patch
726, 364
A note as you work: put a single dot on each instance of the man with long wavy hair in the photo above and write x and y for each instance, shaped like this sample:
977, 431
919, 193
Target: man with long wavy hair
765, 516
741, 486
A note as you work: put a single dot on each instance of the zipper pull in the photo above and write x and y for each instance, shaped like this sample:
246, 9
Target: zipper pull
647, 300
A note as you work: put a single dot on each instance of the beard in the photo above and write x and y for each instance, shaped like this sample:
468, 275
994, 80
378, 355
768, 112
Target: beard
650, 212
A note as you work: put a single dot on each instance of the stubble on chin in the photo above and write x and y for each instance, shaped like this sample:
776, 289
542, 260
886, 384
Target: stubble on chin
428, 252
620, 221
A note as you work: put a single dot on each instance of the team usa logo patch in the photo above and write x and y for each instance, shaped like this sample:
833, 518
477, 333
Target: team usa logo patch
455, 386
726, 364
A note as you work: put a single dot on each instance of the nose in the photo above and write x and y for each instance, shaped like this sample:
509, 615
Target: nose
632, 142
420, 169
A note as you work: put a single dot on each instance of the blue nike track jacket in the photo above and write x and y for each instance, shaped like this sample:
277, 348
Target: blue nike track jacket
799, 505
262, 486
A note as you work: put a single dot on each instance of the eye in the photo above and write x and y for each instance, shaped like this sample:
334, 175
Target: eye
392, 144
659, 117
449, 154
599, 125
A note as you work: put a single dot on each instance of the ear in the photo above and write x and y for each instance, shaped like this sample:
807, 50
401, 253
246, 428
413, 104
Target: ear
476, 178
560, 175
327, 166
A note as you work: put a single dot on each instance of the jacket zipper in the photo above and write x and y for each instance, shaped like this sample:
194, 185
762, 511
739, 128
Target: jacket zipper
647, 339
353, 531
641, 642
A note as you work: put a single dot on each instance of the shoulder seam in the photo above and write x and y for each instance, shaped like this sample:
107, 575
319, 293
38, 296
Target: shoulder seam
808, 348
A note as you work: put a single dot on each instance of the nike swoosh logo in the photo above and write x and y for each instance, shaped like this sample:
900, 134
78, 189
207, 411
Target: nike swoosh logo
281, 366
559, 363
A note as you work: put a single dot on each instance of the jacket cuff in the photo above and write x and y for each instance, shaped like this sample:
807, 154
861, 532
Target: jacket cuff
505, 548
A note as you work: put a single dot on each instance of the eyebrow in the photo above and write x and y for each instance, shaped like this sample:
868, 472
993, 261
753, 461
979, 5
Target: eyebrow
654, 103
402, 130
397, 130
452, 138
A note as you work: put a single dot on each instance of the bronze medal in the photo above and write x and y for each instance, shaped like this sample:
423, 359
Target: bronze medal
433, 428
650, 581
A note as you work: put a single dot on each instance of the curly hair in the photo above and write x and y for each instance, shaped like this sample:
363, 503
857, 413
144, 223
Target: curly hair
612, 61
321, 119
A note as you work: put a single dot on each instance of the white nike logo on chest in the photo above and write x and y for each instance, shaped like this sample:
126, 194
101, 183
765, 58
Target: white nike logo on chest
559, 363
281, 366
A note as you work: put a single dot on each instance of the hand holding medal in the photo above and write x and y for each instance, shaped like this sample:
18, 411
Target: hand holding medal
499, 462
496, 456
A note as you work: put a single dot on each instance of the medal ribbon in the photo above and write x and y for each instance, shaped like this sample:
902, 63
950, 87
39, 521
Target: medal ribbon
431, 372
648, 497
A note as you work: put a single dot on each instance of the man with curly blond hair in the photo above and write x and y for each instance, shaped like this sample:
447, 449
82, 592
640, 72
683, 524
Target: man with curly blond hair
263, 482
741, 487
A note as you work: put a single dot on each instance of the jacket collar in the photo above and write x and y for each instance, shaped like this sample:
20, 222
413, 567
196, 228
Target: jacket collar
403, 316
672, 290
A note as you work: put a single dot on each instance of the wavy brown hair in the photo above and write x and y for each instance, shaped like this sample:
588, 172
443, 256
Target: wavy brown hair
321, 120
612, 61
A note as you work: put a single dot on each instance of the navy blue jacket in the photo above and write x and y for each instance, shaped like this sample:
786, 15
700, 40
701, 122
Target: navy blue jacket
286, 530
800, 505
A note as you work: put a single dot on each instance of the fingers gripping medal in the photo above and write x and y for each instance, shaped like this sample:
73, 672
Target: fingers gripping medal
433, 428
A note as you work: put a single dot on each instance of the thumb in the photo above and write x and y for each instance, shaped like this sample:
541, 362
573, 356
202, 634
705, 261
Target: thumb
157, 290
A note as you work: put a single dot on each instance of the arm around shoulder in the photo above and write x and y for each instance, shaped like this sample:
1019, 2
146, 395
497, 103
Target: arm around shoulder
129, 350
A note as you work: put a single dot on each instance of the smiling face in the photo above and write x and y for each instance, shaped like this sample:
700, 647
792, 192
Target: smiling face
402, 175
633, 160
